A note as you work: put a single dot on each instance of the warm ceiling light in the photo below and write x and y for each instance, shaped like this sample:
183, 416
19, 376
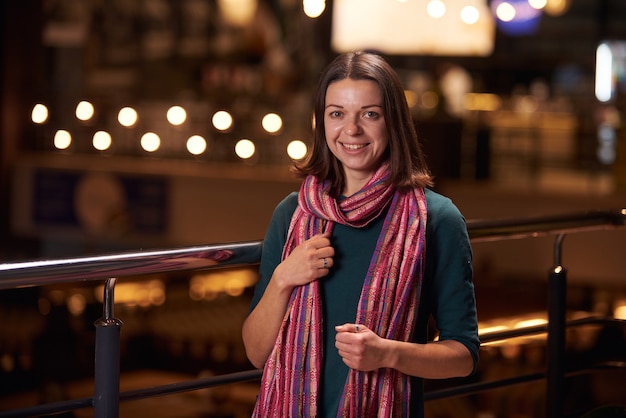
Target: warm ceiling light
127, 116
62, 139
538, 4
313, 8
245, 149
222, 120
470, 15
196, 145
150, 142
176, 115
436, 8
101, 140
84, 111
296, 149
505, 12
39, 113
272, 123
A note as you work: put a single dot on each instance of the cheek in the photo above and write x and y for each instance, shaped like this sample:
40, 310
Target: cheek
331, 133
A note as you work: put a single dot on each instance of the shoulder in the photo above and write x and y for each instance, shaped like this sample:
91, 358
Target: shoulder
441, 209
445, 225
287, 206
281, 218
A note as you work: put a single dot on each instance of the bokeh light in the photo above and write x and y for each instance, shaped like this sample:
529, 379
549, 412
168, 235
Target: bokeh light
244, 148
196, 145
470, 15
296, 149
84, 111
102, 140
272, 123
176, 115
150, 142
222, 120
127, 116
39, 113
62, 139
436, 8
313, 8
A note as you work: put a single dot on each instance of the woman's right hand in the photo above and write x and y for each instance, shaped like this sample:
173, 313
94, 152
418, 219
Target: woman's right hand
309, 261
303, 265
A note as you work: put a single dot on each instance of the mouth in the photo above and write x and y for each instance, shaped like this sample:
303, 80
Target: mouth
353, 147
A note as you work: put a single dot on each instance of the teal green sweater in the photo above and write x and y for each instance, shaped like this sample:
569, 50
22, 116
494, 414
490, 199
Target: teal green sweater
447, 292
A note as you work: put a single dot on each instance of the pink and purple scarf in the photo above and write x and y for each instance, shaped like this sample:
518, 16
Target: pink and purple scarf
387, 305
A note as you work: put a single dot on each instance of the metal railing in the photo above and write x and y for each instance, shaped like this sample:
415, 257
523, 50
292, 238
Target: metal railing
111, 268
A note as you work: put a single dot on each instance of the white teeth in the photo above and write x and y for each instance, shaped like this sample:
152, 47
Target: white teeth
353, 146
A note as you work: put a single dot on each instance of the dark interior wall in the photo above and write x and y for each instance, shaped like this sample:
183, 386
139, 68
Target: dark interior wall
21, 75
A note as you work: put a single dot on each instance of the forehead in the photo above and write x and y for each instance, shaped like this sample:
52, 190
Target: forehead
349, 90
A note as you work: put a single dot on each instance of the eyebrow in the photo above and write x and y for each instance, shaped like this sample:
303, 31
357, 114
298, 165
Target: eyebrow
362, 107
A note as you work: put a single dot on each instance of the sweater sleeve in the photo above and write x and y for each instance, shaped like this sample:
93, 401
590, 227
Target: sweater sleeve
450, 275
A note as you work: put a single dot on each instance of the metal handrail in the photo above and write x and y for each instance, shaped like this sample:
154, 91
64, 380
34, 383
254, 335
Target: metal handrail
478, 387
168, 389
531, 227
113, 266
100, 267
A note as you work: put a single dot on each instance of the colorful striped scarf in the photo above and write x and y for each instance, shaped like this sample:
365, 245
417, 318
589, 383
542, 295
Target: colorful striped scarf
387, 305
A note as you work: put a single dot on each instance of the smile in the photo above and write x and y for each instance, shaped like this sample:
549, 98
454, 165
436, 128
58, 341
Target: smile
353, 147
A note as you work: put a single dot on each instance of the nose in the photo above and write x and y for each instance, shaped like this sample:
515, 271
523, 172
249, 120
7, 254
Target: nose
352, 127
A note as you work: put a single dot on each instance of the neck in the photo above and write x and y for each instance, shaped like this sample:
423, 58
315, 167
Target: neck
354, 184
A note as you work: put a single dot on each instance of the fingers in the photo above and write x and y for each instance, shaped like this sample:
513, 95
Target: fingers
351, 328
348, 344
319, 241
311, 260
321, 251
359, 347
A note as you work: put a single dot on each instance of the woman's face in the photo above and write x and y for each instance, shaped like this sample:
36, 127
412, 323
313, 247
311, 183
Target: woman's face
354, 125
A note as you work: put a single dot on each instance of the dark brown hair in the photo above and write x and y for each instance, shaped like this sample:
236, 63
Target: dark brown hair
408, 165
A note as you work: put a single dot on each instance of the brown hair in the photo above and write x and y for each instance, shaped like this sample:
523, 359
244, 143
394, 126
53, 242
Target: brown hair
408, 165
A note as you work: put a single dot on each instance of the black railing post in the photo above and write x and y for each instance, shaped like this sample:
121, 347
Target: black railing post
557, 291
107, 360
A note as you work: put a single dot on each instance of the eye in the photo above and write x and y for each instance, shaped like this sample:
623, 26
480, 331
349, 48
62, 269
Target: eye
334, 114
371, 114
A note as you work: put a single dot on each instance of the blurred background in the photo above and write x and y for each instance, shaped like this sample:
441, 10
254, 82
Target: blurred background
135, 124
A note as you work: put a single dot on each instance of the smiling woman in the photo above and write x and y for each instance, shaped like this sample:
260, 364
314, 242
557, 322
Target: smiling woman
351, 270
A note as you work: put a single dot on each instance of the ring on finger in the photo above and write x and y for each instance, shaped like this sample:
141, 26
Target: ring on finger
325, 263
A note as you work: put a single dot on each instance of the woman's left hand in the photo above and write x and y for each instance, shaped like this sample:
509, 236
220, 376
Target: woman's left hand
360, 348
